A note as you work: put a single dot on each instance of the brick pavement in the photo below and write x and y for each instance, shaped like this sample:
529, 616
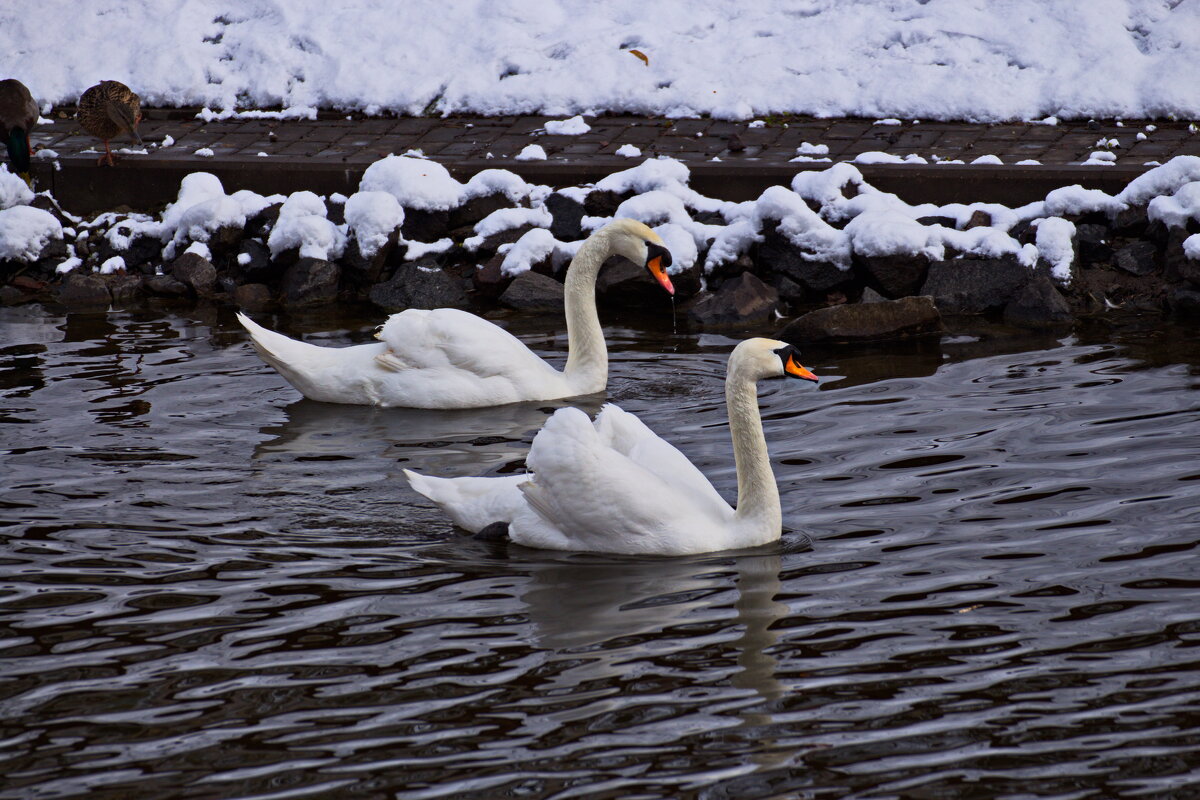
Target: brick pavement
727, 159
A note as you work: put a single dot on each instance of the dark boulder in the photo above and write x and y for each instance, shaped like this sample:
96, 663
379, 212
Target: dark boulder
310, 282
474, 210
84, 289
1039, 303
425, 226
623, 283
979, 219
488, 280
490, 245
253, 262
531, 291
894, 275
166, 286
1092, 244
1138, 258
974, 286
777, 255
419, 284
744, 300
259, 225
1132, 222
602, 203
252, 296
125, 287
196, 272
568, 217
884, 319
1185, 301
368, 269
1178, 266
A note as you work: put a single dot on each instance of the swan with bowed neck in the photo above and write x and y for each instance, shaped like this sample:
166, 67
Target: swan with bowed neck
447, 358
613, 486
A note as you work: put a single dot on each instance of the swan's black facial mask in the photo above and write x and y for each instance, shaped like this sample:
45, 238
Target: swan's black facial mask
658, 258
791, 366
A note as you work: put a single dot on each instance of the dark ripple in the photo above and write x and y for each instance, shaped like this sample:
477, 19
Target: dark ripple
211, 588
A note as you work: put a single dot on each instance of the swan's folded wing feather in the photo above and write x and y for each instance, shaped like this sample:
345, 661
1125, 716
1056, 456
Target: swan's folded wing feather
627, 434
598, 496
448, 338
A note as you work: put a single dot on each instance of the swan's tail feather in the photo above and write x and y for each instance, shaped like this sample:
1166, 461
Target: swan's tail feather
472, 503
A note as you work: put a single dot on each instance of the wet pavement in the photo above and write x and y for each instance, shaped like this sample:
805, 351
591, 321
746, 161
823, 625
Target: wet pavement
732, 160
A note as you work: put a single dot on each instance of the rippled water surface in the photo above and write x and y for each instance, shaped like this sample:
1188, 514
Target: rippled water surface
213, 589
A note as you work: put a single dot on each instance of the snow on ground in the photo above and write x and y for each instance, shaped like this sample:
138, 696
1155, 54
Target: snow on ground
879, 59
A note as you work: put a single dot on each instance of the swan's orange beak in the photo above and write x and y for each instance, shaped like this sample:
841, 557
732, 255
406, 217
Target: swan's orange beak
797, 371
656, 269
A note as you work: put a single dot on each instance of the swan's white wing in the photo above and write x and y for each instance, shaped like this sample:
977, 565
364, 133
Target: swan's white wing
602, 500
451, 354
628, 435
451, 338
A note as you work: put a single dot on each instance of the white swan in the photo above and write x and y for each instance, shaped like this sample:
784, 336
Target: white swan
446, 358
613, 486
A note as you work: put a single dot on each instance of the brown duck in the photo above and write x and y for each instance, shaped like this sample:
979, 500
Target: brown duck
107, 110
18, 115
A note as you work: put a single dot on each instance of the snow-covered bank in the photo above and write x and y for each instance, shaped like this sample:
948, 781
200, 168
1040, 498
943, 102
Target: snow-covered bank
929, 59
415, 236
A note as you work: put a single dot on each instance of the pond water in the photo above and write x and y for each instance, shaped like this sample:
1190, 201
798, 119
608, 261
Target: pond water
211, 588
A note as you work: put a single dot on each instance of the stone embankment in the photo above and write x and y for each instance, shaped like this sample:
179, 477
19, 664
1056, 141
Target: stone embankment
847, 261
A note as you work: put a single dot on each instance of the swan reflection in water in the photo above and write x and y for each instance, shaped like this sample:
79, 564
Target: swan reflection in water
600, 614
460, 441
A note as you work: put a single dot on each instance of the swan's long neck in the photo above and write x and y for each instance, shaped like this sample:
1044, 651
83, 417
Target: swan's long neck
587, 355
759, 518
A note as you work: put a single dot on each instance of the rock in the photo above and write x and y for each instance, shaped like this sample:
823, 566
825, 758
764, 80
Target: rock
258, 267
310, 282
776, 254
419, 284
258, 226
488, 247
531, 291
125, 287
488, 280
1139, 258
869, 295
568, 217
225, 242
1039, 303
895, 275
979, 219
11, 296
1175, 261
368, 269
1185, 301
252, 296
601, 203
84, 289
166, 286
886, 319
973, 286
1131, 222
1091, 243
945, 222
621, 282
425, 226
744, 300
196, 272
474, 210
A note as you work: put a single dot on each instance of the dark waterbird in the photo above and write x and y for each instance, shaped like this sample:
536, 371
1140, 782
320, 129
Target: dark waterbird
18, 115
107, 110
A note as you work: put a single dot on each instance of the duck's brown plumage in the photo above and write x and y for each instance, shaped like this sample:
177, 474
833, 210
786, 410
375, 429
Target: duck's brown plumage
18, 115
109, 109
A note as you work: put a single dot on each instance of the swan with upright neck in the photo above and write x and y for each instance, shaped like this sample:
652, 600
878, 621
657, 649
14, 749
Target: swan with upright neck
613, 486
447, 358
